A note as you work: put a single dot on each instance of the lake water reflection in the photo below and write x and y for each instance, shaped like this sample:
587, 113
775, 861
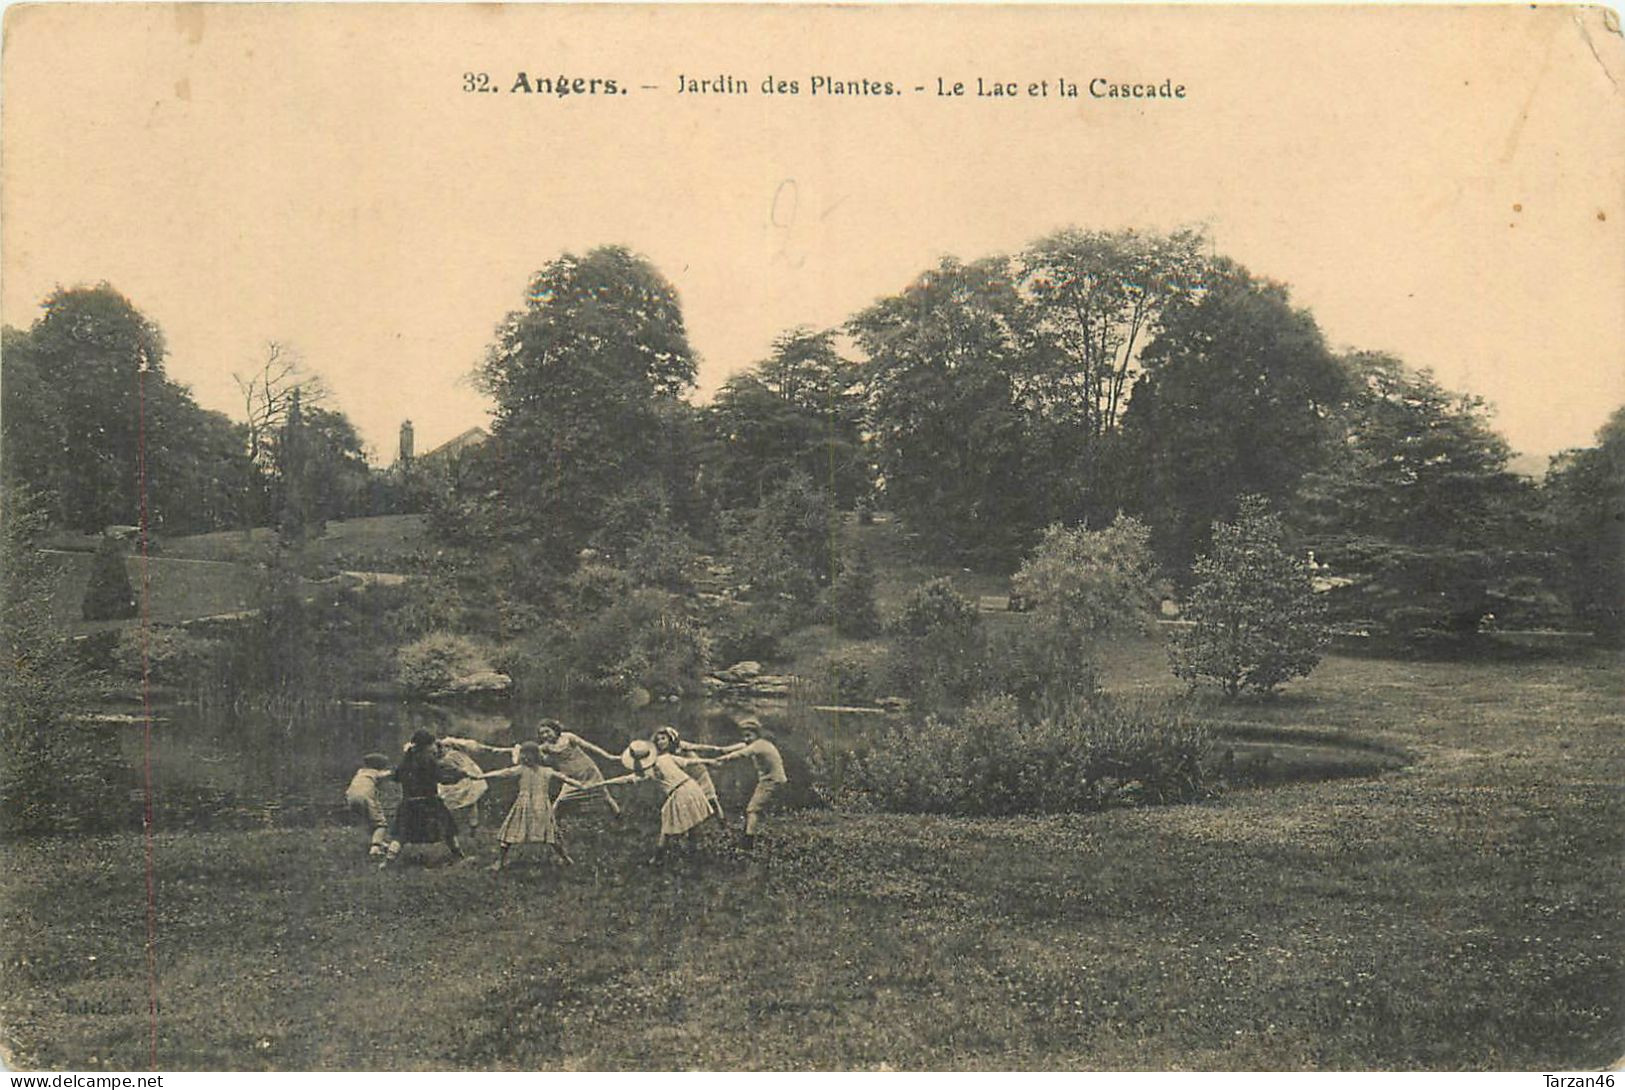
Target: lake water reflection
246, 768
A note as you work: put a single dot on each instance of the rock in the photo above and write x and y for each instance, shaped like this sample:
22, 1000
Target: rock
481, 681
745, 679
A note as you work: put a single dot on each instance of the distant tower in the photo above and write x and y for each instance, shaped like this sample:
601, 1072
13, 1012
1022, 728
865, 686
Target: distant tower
406, 442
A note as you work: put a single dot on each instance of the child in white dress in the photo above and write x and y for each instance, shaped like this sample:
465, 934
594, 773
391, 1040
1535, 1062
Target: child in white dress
684, 808
530, 821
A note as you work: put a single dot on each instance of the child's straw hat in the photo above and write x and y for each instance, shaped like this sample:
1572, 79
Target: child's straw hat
639, 755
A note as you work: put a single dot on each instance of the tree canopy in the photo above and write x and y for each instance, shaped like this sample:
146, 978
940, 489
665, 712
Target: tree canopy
795, 412
1418, 511
944, 359
90, 416
1585, 491
579, 375
1236, 399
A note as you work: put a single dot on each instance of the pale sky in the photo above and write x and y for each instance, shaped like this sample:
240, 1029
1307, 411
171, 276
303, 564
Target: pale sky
1441, 183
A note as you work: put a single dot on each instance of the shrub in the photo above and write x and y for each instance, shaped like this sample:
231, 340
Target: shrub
847, 675
419, 606
432, 663
851, 599
594, 587
1084, 584
990, 761
172, 656
109, 596
740, 631
935, 607
646, 640
940, 671
1043, 672
1258, 622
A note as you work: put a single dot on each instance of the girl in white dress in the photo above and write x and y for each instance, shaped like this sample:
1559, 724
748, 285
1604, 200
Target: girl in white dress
685, 808
530, 821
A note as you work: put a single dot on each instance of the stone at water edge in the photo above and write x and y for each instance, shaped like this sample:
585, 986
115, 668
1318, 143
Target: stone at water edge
481, 681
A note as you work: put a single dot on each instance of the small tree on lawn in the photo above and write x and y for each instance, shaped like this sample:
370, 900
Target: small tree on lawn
852, 598
1258, 620
1083, 585
109, 597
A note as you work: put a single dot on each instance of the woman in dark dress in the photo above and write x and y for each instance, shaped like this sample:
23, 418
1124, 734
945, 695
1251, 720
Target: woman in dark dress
422, 817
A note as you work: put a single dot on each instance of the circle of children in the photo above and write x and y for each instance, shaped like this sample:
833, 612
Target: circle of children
439, 776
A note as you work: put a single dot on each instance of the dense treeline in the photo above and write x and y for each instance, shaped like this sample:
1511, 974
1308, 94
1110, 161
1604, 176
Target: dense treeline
1092, 374
90, 419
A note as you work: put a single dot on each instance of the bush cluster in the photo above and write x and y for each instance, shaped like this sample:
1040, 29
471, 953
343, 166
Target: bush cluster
741, 631
848, 675
934, 607
430, 664
647, 640
171, 656
990, 761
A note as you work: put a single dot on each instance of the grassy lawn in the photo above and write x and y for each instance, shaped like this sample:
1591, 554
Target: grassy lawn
180, 590
207, 575
380, 543
1464, 912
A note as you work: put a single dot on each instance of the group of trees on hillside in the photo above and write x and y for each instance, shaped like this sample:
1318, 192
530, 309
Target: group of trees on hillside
91, 422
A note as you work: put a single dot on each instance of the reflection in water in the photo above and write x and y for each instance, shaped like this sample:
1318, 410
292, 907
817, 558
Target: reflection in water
245, 768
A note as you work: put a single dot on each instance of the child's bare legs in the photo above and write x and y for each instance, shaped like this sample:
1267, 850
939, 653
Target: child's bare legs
759, 802
609, 799
391, 854
562, 856
502, 858
379, 842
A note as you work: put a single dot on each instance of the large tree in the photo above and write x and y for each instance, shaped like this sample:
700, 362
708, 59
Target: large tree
1235, 399
584, 376
1420, 522
795, 412
1585, 492
91, 420
946, 357
1096, 300
1098, 297
91, 353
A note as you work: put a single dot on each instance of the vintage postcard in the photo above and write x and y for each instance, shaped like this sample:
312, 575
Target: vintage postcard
756, 538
